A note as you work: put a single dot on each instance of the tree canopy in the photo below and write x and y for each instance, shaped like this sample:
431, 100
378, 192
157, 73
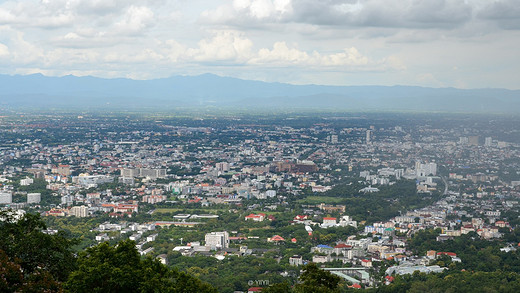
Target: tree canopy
119, 268
26, 245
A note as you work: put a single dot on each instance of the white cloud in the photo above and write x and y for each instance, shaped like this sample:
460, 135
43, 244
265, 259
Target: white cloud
4, 51
135, 20
282, 55
24, 52
298, 41
224, 46
101, 7
416, 15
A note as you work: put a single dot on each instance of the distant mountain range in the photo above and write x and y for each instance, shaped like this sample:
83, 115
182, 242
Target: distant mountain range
207, 90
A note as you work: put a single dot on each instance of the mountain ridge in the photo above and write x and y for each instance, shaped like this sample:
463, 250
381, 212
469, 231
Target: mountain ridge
38, 90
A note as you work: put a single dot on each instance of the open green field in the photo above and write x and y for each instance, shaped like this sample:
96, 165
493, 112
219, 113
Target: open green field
265, 212
316, 199
173, 210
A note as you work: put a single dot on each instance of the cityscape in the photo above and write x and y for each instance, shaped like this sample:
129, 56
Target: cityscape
366, 197
274, 146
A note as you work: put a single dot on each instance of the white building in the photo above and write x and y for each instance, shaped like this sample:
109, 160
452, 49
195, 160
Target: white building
34, 198
79, 211
143, 172
347, 221
296, 260
217, 240
488, 141
93, 180
151, 237
67, 200
270, 193
423, 170
26, 181
6, 198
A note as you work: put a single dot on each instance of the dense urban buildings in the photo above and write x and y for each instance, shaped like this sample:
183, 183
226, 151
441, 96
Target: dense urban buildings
367, 197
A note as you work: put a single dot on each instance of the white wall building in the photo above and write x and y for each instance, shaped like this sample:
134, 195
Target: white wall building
79, 211
6, 198
217, 240
34, 198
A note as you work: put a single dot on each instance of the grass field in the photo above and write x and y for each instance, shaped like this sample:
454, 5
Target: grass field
316, 199
173, 210
264, 212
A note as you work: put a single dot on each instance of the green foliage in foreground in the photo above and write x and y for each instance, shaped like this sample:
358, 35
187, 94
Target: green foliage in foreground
312, 280
33, 261
24, 243
105, 268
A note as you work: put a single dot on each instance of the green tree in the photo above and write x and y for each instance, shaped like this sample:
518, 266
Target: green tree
316, 280
25, 244
284, 287
105, 268
13, 279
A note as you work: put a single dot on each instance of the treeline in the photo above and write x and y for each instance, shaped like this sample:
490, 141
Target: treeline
459, 281
475, 253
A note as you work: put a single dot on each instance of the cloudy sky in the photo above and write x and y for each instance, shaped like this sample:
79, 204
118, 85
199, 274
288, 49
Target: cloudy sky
438, 43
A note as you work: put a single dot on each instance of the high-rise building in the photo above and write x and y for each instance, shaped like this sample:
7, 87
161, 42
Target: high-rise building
423, 170
222, 166
217, 240
488, 141
143, 172
67, 200
34, 198
334, 138
6, 198
79, 211
369, 137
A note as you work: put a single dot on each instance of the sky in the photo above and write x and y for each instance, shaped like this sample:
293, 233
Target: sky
433, 43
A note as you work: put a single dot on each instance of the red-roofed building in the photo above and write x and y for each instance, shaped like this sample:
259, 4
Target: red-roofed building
388, 280
329, 221
501, 224
257, 218
195, 200
299, 218
400, 257
294, 240
450, 254
254, 289
275, 238
338, 249
55, 212
126, 208
366, 263
466, 229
